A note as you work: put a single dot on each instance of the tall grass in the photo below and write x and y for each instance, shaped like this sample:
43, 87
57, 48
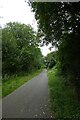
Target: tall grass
13, 83
63, 101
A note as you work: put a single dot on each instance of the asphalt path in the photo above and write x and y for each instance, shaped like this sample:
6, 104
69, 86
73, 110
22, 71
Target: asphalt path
31, 100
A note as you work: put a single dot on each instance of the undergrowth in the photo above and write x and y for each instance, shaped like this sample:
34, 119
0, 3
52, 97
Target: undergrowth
62, 96
11, 84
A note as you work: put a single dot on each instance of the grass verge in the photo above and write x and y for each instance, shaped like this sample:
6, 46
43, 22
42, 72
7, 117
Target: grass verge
62, 97
12, 84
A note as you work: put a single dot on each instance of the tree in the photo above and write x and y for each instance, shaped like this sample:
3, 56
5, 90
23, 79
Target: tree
50, 60
59, 23
54, 19
20, 49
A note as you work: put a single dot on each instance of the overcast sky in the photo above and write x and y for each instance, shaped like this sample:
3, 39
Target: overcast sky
18, 11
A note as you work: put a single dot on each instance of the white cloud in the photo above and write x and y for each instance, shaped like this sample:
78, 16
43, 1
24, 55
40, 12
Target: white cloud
45, 49
18, 11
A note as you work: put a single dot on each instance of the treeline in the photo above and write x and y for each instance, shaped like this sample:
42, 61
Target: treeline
59, 23
20, 51
50, 60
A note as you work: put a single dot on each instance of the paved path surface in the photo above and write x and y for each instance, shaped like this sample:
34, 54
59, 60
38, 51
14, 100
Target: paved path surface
31, 100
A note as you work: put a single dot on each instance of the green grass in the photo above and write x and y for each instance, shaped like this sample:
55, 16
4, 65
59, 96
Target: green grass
12, 84
63, 101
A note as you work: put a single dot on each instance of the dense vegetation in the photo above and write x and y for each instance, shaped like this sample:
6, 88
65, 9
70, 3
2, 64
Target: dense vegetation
20, 49
50, 60
16, 81
59, 24
21, 56
62, 96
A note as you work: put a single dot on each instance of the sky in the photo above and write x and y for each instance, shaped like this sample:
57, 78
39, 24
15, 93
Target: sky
19, 11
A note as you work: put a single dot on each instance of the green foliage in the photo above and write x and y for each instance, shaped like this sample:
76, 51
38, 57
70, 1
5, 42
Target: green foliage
20, 49
13, 83
69, 58
54, 19
50, 60
59, 23
63, 100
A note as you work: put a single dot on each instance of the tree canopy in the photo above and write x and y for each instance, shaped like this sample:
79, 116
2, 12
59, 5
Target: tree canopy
50, 60
55, 19
20, 49
59, 23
